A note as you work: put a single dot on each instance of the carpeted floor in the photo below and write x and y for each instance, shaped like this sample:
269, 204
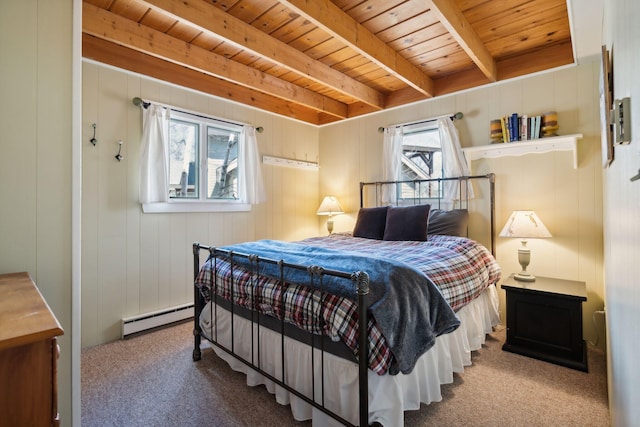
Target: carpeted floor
151, 380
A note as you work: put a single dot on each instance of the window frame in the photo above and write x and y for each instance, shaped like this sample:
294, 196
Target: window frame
408, 130
202, 203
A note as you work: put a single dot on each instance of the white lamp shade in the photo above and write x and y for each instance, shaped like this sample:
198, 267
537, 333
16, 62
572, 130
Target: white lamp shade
330, 206
524, 224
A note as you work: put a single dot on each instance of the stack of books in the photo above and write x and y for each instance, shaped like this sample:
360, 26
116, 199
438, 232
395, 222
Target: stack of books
521, 127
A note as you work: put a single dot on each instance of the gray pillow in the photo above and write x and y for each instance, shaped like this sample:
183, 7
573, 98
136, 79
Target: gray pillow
407, 223
370, 223
449, 223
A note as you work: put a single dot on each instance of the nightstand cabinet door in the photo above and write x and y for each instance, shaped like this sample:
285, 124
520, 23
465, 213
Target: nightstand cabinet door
546, 322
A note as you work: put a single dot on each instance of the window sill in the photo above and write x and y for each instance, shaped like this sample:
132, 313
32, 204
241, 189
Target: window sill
195, 206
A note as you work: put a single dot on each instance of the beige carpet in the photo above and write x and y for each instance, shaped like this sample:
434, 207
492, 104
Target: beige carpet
151, 380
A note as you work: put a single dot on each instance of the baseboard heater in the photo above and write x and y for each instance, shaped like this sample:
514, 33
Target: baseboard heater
148, 321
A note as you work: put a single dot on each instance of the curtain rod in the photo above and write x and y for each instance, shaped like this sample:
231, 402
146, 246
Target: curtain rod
139, 102
456, 116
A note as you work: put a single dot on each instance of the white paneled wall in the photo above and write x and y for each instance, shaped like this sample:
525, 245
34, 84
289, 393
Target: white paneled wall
568, 200
622, 228
36, 77
133, 263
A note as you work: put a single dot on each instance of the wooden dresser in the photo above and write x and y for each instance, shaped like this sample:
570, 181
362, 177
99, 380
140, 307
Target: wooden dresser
28, 355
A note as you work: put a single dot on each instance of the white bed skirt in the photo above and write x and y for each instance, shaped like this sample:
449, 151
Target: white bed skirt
389, 395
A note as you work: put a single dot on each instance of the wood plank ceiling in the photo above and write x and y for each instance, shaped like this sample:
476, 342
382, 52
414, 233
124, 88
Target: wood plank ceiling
321, 61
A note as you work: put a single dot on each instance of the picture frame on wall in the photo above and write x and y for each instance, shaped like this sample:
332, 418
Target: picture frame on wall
606, 93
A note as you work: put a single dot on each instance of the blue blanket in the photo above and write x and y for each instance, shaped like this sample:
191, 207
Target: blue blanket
408, 307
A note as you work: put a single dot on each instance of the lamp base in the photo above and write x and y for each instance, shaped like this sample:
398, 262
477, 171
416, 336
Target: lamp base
524, 256
524, 277
330, 225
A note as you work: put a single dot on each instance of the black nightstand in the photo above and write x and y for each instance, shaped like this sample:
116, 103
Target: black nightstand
544, 320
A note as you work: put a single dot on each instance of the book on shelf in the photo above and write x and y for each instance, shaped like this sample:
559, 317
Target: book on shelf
536, 132
523, 127
513, 126
505, 135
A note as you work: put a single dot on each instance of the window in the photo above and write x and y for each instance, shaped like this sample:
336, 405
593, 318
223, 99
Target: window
425, 150
193, 163
203, 158
421, 159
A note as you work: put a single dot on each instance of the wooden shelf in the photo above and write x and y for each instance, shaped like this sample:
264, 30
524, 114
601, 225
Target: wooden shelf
520, 148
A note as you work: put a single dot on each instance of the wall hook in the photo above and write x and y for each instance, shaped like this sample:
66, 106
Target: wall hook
635, 177
93, 139
119, 156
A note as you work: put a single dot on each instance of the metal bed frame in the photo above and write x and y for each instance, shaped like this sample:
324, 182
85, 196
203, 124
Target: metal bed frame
463, 197
360, 281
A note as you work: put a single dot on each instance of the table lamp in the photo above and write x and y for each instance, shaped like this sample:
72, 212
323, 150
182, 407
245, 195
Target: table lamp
524, 225
330, 206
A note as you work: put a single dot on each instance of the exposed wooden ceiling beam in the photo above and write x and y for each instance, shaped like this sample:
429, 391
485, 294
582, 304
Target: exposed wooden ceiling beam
330, 18
455, 22
104, 24
551, 57
215, 21
405, 96
128, 59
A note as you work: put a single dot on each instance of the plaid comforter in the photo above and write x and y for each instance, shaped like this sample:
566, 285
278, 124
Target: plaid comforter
461, 268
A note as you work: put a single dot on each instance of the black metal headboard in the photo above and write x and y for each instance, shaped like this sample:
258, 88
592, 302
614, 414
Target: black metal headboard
430, 191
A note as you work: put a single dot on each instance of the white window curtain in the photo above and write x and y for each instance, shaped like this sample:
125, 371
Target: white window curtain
454, 163
251, 185
391, 161
154, 162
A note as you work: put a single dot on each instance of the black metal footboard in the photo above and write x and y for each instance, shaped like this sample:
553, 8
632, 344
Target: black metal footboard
316, 274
